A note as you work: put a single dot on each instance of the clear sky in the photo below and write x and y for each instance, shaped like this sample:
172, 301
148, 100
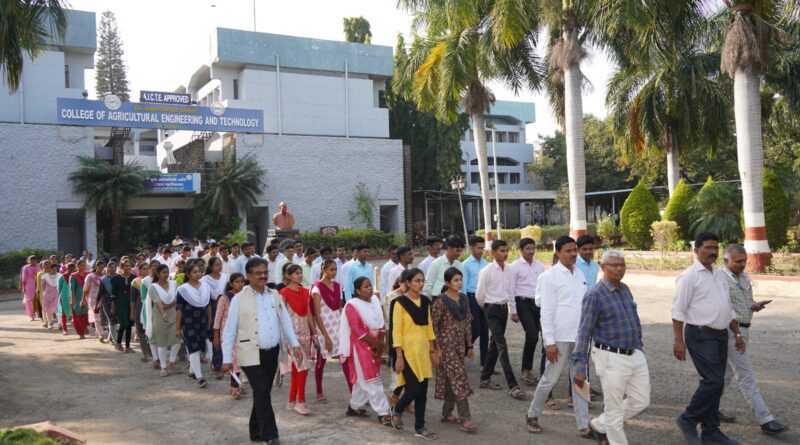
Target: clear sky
155, 33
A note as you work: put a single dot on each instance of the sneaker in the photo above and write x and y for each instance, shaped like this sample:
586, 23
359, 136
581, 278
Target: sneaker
688, 429
719, 438
773, 427
725, 418
301, 408
290, 406
191, 376
201, 383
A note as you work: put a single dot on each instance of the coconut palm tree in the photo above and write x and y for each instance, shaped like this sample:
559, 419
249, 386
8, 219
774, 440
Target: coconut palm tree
235, 187
465, 45
666, 93
757, 31
26, 28
108, 188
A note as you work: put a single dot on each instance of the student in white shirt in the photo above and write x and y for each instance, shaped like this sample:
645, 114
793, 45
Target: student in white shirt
434, 249
325, 253
390, 263
405, 257
272, 262
228, 263
299, 258
559, 294
525, 274
493, 294
434, 277
288, 251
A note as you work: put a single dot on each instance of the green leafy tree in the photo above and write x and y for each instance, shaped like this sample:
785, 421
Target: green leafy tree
234, 187
782, 147
638, 214
357, 30
776, 210
27, 27
435, 145
716, 208
108, 188
679, 209
109, 70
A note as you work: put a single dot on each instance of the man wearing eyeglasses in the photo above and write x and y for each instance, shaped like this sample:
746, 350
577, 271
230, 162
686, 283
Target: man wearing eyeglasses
741, 290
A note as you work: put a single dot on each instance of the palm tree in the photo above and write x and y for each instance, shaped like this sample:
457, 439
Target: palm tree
234, 187
26, 28
108, 188
666, 93
465, 45
753, 35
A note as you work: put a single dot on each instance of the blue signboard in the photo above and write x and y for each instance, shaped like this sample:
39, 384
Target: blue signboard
174, 183
113, 113
165, 98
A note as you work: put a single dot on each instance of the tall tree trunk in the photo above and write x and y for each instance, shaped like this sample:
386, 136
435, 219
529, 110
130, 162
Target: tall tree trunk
747, 110
673, 160
576, 168
479, 130
116, 224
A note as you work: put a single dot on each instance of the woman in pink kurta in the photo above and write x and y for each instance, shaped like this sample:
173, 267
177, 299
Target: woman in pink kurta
27, 285
361, 345
50, 296
90, 290
234, 286
326, 302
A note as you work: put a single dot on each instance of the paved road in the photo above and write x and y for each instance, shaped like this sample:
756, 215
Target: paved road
114, 399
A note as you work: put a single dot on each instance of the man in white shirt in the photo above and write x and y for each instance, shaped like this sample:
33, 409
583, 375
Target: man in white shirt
228, 263
525, 275
387, 266
434, 249
177, 241
272, 262
341, 256
166, 258
325, 253
702, 302
493, 295
559, 295
434, 278
212, 252
404, 256
287, 247
298, 258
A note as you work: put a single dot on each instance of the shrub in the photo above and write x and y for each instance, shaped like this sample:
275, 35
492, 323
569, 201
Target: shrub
717, 208
27, 436
664, 234
511, 236
11, 263
549, 233
532, 232
679, 209
606, 227
776, 210
638, 213
376, 239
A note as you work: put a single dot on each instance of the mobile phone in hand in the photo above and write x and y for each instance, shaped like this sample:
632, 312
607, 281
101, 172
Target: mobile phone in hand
764, 303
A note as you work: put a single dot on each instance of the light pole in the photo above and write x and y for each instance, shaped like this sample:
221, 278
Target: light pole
496, 182
458, 184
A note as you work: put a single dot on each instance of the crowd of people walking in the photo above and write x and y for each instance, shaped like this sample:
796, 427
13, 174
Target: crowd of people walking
229, 312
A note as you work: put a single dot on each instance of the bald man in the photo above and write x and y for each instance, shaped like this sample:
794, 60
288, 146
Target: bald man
283, 220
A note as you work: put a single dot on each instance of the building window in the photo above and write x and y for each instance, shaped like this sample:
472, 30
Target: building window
513, 137
515, 178
66, 76
501, 178
471, 136
235, 89
501, 136
382, 99
501, 160
475, 178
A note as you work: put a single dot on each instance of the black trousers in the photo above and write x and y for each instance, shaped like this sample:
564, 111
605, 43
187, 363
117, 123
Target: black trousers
216, 357
529, 317
497, 319
480, 329
414, 391
127, 332
709, 354
262, 417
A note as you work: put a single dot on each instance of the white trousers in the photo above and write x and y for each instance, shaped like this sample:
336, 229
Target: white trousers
372, 393
739, 366
195, 366
620, 375
552, 372
173, 354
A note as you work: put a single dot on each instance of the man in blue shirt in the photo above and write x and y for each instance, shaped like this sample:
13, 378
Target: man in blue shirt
470, 268
248, 252
359, 268
610, 326
585, 261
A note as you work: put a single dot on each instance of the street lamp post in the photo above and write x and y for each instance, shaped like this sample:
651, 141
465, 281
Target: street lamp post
496, 182
458, 184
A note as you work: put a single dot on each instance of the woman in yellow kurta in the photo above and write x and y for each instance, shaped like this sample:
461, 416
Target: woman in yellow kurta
413, 341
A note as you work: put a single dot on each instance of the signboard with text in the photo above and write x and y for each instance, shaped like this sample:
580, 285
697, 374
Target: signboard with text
165, 98
113, 113
174, 183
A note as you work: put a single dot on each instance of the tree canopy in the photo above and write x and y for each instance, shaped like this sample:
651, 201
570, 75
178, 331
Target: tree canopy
109, 72
357, 30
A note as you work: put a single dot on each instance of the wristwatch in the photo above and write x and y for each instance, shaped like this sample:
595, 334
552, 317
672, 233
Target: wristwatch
738, 335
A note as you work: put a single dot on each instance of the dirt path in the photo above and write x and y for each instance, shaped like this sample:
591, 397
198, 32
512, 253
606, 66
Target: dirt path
114, 399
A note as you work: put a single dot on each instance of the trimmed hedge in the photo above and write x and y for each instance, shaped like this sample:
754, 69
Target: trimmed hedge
11, 263
638, 213
776, 210
376, 239
549, 233
678, 209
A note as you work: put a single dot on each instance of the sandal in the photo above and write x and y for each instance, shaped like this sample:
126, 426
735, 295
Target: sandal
397, 422
533, 425
163, 373
468, 427
385, 420
488, 384
356, 412
452, 419
427, 435
321, 399
518, 394
236, 393
552, 404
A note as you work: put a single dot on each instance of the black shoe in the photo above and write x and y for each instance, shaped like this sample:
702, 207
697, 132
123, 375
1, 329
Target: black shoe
274, 441
688, 429
719, 438
255, 439
201, 383
724, 418
773, 427
191, 376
